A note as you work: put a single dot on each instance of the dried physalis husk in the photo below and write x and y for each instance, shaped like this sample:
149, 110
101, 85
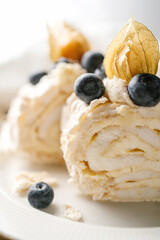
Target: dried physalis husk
65, 41
133, 50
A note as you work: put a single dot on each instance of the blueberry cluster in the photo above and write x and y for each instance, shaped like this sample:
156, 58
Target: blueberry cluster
91, 61
89, 86
143, 89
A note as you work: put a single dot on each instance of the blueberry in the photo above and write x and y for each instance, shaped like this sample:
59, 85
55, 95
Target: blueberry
91, 60
144, 89
62, 60
100, 72
40, 195
65, 60
89, 87
35, 78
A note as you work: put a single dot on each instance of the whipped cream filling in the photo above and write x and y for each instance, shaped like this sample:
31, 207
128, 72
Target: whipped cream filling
113, 149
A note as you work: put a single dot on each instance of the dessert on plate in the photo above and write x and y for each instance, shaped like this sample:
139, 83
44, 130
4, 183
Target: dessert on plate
33, 121
111, 129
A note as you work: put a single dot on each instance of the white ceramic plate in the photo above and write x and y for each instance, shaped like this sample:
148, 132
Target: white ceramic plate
127, 221
101, 220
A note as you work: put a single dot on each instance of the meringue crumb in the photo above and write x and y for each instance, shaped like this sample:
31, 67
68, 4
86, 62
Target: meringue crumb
71, 213
25, 180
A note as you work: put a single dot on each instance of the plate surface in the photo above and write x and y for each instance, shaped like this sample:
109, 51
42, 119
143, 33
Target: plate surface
101, 220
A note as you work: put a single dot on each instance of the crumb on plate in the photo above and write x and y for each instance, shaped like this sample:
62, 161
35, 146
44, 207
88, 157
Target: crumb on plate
71, 213
25, 180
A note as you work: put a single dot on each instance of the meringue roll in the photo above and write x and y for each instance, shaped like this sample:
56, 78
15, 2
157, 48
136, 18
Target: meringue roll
111, 146
33, 124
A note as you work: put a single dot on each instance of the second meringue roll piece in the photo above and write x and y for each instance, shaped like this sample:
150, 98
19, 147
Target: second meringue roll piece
33, 124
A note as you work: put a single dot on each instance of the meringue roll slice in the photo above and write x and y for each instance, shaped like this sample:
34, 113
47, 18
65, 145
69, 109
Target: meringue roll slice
33, 124
111, 145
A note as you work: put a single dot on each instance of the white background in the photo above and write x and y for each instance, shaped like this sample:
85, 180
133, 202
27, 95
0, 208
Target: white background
23, 22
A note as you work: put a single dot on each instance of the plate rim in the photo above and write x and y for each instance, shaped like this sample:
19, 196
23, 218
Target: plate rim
93, 230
